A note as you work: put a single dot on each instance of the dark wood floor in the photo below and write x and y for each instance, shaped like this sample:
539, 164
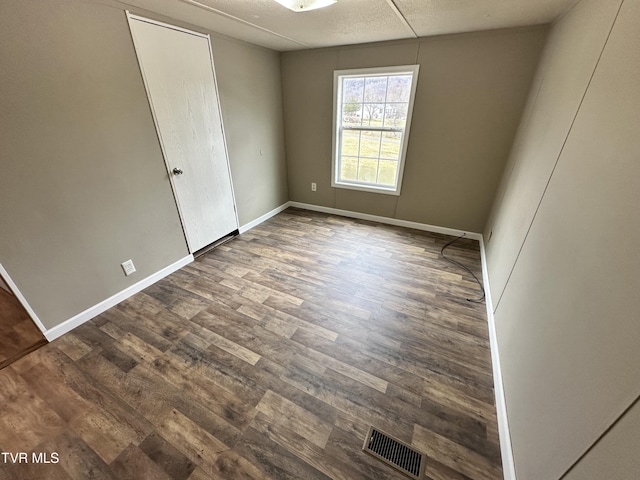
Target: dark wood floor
269, 357
18, 334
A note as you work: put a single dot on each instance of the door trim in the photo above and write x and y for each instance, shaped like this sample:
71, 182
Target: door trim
132, 17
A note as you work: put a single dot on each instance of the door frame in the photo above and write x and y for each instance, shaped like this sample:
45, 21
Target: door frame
23, 301
132, 17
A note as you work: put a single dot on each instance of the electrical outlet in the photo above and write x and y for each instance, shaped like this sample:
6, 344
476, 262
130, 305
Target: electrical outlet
128, 267
314, 187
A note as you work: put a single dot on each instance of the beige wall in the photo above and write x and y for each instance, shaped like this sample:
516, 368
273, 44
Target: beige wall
615, 456
83, 182
471, 92
566, 323
570, 56
251, 98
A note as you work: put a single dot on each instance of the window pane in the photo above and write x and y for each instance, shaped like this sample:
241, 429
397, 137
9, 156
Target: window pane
372, 114
396, 115
349, 168
387, 174
352, 90
352, 114
370, 144
390, 147
350, 143
375, 89
367, 170
399, 88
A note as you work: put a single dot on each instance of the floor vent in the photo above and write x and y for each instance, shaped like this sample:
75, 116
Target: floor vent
395, 453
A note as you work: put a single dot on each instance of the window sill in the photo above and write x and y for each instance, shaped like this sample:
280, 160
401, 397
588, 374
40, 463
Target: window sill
367, 188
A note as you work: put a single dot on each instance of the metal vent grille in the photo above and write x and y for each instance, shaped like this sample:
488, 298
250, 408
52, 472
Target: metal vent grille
395, 453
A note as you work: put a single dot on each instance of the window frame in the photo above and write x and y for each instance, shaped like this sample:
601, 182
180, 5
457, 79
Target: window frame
338, 75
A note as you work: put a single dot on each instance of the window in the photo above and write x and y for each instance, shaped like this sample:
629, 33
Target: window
372, 115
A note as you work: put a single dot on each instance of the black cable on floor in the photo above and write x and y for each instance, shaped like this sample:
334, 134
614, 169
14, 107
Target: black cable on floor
455, 262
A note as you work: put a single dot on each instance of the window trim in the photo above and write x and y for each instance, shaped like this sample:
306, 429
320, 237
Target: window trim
337, 122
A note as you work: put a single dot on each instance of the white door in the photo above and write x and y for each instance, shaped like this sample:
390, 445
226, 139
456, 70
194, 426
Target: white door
177, 67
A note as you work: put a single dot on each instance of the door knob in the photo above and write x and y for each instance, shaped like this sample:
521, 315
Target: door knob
177, 171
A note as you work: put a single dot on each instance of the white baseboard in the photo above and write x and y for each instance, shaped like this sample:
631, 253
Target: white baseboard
263, 218
97, 309
4, 286
508, 465
16, 291
390, 221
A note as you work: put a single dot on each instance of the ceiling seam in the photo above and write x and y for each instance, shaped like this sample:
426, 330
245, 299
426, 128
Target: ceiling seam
401, 16
232, 17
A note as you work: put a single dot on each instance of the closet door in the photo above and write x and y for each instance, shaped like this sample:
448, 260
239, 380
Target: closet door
177, 67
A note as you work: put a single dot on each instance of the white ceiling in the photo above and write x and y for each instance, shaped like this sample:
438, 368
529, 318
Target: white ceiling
267, 23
